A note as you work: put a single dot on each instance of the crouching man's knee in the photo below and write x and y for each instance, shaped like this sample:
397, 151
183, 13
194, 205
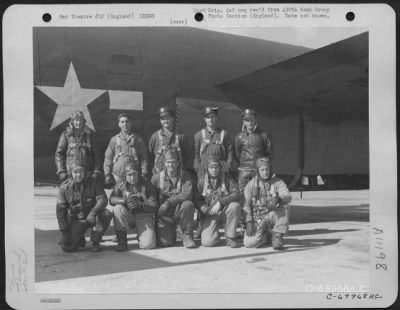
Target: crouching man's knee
119, 210
250, 242
235, 208
187, 205
209, 241
146, 231
147, 241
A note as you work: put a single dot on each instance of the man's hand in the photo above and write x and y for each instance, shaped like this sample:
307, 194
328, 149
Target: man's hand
272, 203
250, 229
76, 208
63, 176
215, 208
162, 211
132, 203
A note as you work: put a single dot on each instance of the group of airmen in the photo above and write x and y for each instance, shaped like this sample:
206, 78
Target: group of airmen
156, 202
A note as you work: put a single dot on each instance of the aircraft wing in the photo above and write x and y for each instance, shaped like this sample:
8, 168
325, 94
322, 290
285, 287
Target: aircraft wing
329, 84
315, 106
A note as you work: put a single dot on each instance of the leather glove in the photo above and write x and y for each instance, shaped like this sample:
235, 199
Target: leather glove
63, 176
272, 203
76, 208
132, 203
91, 220
163, 208
215, 208
250, 229
109, 180
208, 200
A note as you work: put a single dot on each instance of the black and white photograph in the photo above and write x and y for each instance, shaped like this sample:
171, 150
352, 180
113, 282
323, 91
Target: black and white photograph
202, 159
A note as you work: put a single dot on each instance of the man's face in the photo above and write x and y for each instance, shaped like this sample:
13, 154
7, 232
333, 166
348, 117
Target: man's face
78, 174
172, 166
167, 122
211, 119
125, 124
78, 123
132, 177
213, 171
264, 172
250, 123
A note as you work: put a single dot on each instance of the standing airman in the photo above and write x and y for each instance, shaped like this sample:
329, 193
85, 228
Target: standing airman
76, 143
168, 138
123, 148
250, 144
212, 141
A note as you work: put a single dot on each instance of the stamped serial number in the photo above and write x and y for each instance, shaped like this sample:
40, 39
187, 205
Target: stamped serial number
50, 300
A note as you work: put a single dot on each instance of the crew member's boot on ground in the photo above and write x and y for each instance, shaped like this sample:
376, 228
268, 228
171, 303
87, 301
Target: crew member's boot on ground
187, 240
277, 241
232, 243
122, 241
82, 242
96, 247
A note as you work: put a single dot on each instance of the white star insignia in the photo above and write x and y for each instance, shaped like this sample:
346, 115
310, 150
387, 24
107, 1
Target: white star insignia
71, 97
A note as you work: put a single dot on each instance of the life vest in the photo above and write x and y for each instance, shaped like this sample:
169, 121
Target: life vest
163, 190
119, 152
76, 143
258, 198
222, 190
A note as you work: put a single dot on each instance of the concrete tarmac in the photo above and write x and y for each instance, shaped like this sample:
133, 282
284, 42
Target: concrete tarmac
327, 248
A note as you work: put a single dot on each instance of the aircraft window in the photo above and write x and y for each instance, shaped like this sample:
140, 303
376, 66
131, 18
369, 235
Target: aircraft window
123, 60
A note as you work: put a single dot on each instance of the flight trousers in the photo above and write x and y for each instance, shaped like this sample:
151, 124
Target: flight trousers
181, 215
209, 224
244, 176
275, 221
144, 223
78, 228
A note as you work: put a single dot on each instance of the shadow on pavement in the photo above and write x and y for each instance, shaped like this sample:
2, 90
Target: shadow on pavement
53, 264
291, 243
304, 214
317, 231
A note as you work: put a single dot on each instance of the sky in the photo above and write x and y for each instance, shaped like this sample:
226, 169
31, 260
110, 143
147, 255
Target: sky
311, 37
